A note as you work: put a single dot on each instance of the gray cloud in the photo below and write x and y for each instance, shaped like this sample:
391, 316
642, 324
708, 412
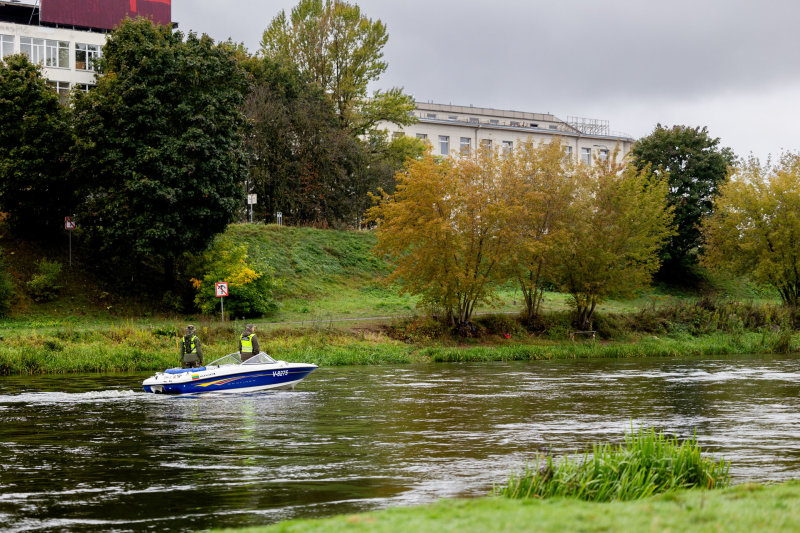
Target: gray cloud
576, 56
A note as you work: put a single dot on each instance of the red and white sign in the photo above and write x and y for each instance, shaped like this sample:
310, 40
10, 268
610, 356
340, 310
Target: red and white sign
69, 223
221, 289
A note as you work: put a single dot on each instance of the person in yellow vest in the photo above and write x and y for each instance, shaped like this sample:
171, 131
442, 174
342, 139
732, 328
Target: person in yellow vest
248, 343
191, 352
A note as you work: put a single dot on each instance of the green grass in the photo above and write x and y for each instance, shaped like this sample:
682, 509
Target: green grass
647, 463
131, 347
743, 508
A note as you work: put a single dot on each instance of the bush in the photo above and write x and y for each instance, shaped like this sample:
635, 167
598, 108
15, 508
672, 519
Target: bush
647, 463
6, 289
43, 287
251, 290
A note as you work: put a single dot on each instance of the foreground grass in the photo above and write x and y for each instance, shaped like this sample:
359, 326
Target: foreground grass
743, 508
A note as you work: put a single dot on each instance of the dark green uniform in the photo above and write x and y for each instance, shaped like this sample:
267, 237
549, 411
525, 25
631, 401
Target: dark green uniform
191, 352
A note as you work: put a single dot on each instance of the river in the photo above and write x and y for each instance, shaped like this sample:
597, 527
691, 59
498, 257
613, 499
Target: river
92, 452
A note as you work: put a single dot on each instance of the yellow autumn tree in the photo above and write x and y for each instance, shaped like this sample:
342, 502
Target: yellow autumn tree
618, 220
754, 228
445, 230
542, 178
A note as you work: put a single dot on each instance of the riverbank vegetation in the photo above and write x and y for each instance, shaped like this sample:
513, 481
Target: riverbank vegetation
647, 463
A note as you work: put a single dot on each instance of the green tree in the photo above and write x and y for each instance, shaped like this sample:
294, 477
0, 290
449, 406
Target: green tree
619, 219
695, 164
160, 152
755, 227
34, 140
302, 162
339, 49
445, 229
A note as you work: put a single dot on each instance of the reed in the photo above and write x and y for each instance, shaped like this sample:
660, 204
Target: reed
646, 463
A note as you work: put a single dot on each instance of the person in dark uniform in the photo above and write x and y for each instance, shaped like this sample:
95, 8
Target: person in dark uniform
191, 352
248, 343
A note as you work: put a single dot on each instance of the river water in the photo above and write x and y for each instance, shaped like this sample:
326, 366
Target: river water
91, 452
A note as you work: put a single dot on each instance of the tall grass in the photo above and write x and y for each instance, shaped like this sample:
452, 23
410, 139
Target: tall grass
647, 463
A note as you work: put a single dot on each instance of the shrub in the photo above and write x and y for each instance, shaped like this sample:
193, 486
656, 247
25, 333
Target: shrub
6, 289
251, 290
647, 463
43, 287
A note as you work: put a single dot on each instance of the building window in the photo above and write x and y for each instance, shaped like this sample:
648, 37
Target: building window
85, 87
422, 136
452, 117
494, 122
444, 144
397, 135
86, 55
602, 154
465, 145
534, 125
515, 123
568, 151
56, 54
61, 87
486, 144
33, 48
586, 155
430, 115
6, 45
508, 146
473, 120
553, 127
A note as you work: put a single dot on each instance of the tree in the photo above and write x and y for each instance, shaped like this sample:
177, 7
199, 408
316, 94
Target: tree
160, 153
302, 161
445, 229
542, 177
340, 50
695, 164
755, 227
34, 140
619, 219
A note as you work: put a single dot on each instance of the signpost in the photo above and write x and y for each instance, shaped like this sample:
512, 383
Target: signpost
69, 225
279, 218
252, 199
221, 291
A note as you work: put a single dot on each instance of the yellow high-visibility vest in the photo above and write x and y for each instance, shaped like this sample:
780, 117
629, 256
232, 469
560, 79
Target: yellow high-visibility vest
247, 343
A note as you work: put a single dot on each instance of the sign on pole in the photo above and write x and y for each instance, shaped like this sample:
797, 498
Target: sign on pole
251, 199
221, 291
69, 225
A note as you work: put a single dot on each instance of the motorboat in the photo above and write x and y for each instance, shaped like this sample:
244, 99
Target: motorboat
230, 374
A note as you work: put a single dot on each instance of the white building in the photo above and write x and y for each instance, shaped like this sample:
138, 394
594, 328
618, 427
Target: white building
66, 51
450, 128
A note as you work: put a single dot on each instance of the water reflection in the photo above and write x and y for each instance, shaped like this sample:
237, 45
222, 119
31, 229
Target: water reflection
83, 453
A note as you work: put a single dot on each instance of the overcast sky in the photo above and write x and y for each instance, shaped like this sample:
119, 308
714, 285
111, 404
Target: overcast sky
731, 65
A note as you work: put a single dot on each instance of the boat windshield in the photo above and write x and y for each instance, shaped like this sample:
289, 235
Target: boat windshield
260, 359
230, 359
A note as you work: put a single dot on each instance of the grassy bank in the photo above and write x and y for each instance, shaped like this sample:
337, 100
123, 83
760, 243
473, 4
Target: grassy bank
139, 348
743, 508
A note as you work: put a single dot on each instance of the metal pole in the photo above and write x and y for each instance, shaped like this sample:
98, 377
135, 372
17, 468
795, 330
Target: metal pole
70, 248
222, 307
